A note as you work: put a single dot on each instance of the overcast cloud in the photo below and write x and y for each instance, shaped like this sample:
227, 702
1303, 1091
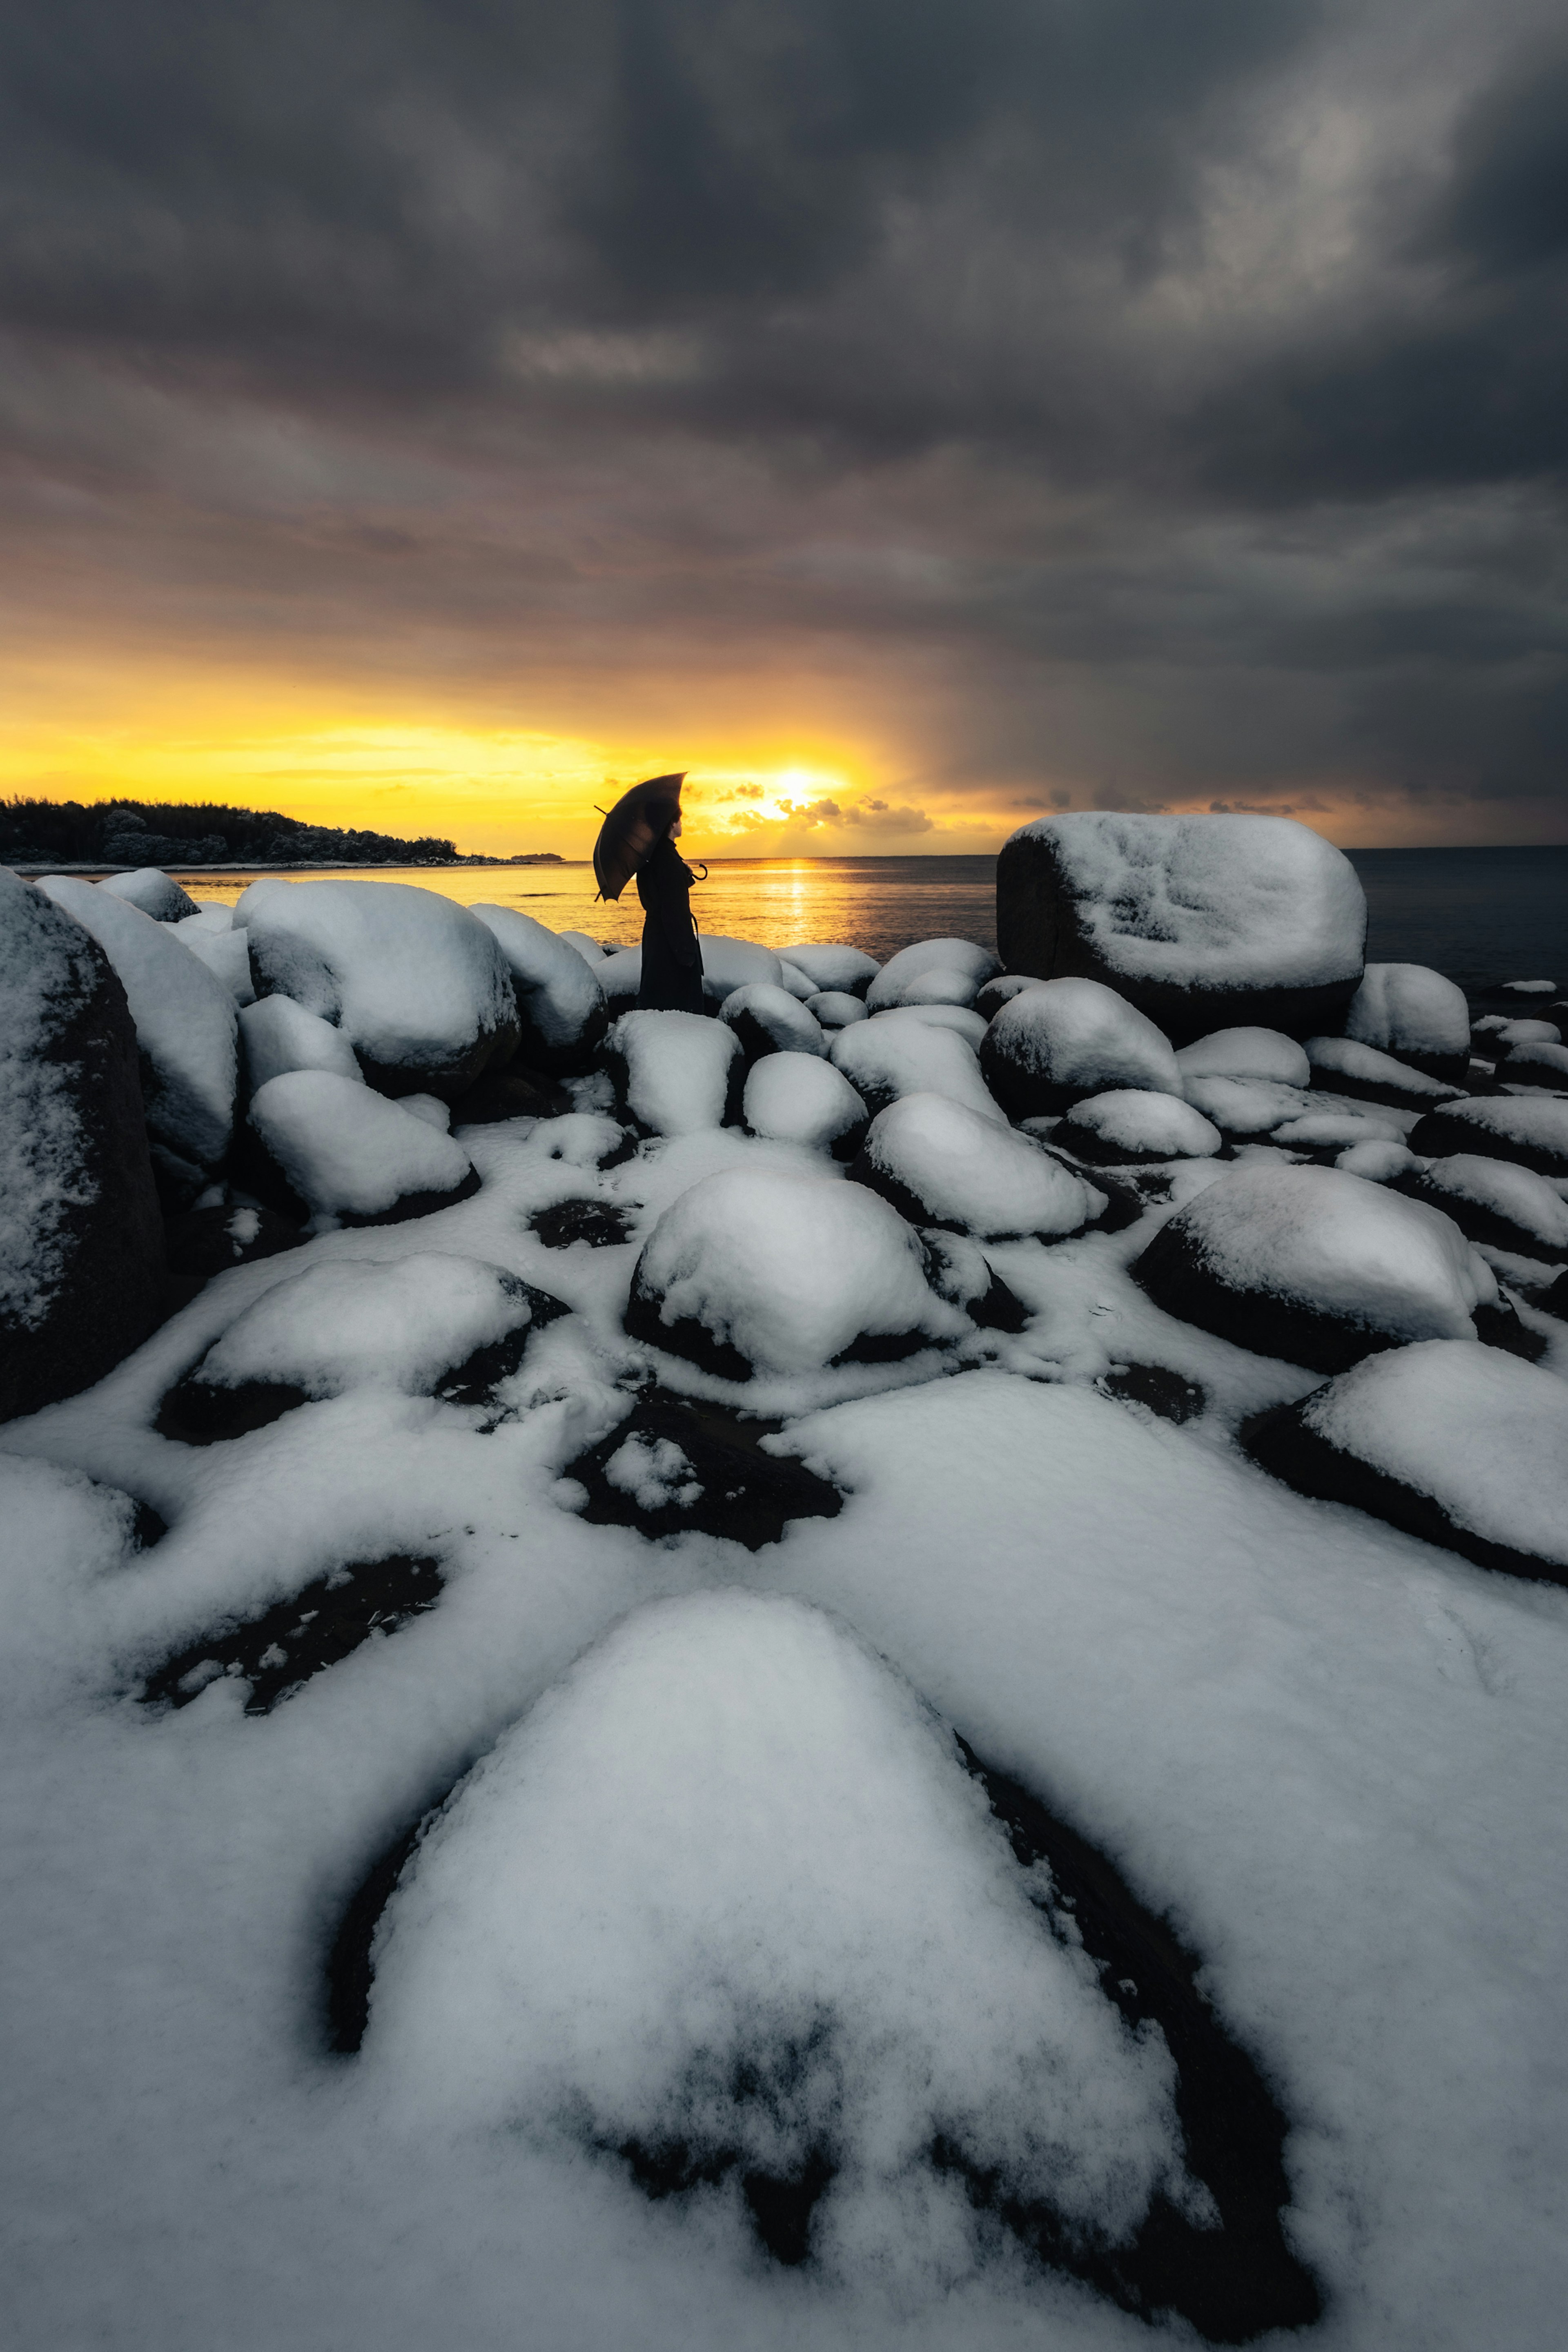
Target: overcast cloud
1107, 400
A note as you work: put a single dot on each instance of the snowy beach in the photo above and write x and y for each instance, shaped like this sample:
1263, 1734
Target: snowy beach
886, 1666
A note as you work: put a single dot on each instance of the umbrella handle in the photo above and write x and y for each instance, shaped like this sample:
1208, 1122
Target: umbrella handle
703, 876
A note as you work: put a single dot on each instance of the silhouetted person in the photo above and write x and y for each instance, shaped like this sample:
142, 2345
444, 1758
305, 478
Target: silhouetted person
671, 956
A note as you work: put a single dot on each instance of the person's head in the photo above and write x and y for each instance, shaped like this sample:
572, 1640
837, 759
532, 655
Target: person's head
664, 815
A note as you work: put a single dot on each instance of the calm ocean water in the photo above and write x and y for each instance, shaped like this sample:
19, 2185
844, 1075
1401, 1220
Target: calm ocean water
1478, 915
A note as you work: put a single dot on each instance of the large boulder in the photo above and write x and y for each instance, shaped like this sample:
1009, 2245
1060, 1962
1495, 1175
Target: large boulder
185, 1022
1413, 1013
1454, 1443
1543, 1066
561, 1008
156, 893
769, 1019
1530, 1129
1131, 1124
346, 1153
901, 1054
941, 1164
279, 1034
419, 987
1315, 1266
1245, 1052
1051, 1047
1342, 1065
675, 1073
800, 1099
1201, 921
81, 1257
1492, 1200
834, 966
761, 1270
932, 971
834, 1008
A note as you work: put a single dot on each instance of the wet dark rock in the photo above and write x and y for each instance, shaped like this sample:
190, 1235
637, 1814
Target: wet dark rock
512, 1093
294, 1640
1157, 1387
1530, 1129
204, 1242
602, 1224
747, 1494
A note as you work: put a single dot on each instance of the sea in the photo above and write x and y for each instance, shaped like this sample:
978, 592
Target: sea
1481, 916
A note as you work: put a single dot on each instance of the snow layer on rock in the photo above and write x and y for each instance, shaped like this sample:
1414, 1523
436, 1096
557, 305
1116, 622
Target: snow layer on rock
1246, 1106
800, 1099
1151, 1126
1507, 1034
1049, 1046
1539, 1065
729, 964
279, 1034
349, 1153
952, 1167
679, 1068
799, 984
1376, 1161
790, 1270
1524, 1198
1534, 1130
1405, 1008
834, 966
933, 972
396, 1323
900, 1054
154, 891
768, 1020
418, 986
834, 1008
211, 915
1343, 1057
560, 1001
620, 976
805, 1889
1483, 1434
185, 1016
223, 951
654, 1471
960, 1019
1529, 987
589, 949
1318, 1131
1340, 1246
46, 975
1196, 901
430, 1108
1246, 1054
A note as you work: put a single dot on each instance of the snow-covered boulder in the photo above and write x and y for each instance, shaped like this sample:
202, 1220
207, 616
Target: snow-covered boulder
1001, 991
1049, 1047
1543, 1066
347, 1153
561, 1009
1201, 921
959, 1271
1246, 1054
1492, 1200
805, 1954
799, 984
185, 1022
82, 1256
800, 1099
419, 986
1342, 1066
761, 1270
1413, 1013
279, 1034
675, 1073
222, 949
620, 978
155, 892
1314, 1266
1532, 1129
849, 971
900, 1054
932, 971
1244, 1107
941, 1164
1458, 1443
589, 949
1131, 1124
834, 1008
961, 1019
769, 1019
729, 964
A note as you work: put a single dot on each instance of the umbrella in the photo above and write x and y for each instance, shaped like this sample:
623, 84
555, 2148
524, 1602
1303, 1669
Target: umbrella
637, 821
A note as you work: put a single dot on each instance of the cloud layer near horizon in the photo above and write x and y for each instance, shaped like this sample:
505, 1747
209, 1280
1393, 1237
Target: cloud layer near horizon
994, 404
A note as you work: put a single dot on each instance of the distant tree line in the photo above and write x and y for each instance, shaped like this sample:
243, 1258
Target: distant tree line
179, 833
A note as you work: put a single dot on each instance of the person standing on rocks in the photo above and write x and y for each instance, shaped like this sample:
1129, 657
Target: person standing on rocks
638, 838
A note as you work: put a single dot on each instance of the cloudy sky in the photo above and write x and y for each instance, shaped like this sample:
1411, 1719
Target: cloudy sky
909, 415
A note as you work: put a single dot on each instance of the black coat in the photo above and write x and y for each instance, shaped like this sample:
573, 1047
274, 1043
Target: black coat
671, 958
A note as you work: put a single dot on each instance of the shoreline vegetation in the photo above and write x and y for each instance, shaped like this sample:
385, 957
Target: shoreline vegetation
123, 835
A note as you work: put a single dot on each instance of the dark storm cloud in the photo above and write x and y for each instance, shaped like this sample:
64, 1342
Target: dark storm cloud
1175, 387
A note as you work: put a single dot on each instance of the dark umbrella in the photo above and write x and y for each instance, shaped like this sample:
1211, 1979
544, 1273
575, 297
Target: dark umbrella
637, 821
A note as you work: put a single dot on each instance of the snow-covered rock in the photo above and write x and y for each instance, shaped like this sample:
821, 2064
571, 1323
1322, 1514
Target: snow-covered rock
1314, 1266
1378, 1161
589, 949
185, 1021
222, 949
1338, 1130
941, 1163
961, 1019
1507, 1034
763, 1270
1049, 1047
675, 1073
620, 978
1342, 1065
1131, 1124
799, 983
81, 1257
419, 987
1413, 1013
1001, 991
1532, 1129
834, 1008
350, 1154
1455, 1443
768, 1020
561, 1009
834, 966
932, 971
800, 1099
1247, 1054
279, 1034
806, 1949
1543, 1066
1201, 921
1492, 1200
1243, 1107
155, 892
729, 964
901, 1054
